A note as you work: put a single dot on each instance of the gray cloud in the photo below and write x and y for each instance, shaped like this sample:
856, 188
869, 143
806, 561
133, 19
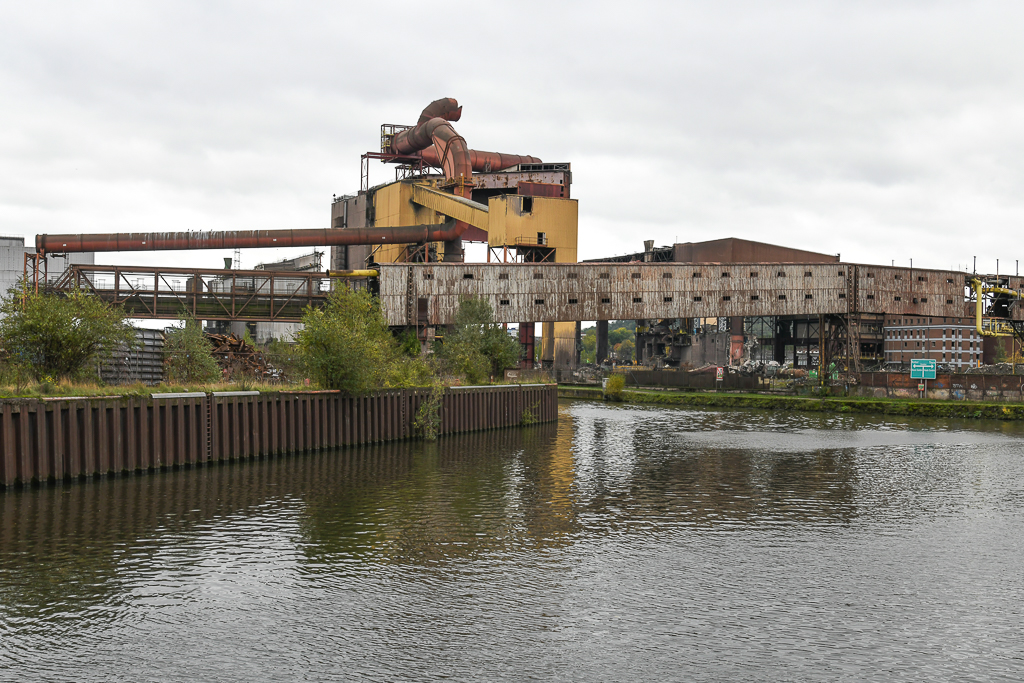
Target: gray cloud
878, 130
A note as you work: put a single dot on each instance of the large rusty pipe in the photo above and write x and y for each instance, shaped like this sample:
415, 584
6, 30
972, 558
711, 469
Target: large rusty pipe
440, 146
482, 162
246, 239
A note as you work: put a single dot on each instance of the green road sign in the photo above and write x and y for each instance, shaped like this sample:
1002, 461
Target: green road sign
922, 368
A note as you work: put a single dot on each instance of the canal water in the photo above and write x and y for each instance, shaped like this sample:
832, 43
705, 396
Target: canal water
623, 543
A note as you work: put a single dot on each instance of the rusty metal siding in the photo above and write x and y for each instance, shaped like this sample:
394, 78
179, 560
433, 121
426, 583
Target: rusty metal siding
635, 291
735, 250
901, 291
42, 440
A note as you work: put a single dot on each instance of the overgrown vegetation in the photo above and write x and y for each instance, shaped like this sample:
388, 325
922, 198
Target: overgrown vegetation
619, 332
427, 423
347, 345
50, 337
624, 351
529, 416
52, 345
940, 408
476, 346
187, 357
613, 389
284, 356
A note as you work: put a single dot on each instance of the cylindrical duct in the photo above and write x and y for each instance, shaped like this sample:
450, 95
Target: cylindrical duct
245, 239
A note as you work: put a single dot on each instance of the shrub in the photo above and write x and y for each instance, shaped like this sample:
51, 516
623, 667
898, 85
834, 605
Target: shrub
347, 345
188, 357
613, 389
427, 422
475, 345
60, 336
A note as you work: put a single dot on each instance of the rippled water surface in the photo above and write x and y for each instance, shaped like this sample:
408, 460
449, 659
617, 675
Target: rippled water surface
623, 543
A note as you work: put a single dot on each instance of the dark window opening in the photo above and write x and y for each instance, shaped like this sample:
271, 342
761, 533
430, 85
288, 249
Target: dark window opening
538, 276
841, 273
467, 276
841, 295
605, 276
754, 297
667, 299
697, 298
726, 298
527, 204
636, 276
781, 273
725, 274
504, 302
808, 273
696, 274
637, 300
428, 276
502, 276
538, 302
808, 296
574, 301
666, 276
606, 301
753, 274
782, 297
871, 296
572, 276
896, 298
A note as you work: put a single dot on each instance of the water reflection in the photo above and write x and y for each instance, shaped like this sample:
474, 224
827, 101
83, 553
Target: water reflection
564, 548
701, 467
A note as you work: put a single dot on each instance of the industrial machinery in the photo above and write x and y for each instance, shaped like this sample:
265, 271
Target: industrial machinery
517, 205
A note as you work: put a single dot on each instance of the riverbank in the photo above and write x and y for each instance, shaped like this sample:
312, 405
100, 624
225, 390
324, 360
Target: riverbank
886, 406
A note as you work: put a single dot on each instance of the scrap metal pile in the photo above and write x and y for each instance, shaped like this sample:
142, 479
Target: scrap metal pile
238, 357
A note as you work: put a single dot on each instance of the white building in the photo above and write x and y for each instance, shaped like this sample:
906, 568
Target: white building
12, 262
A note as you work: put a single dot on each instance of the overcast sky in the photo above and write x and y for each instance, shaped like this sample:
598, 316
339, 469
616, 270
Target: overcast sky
879, 130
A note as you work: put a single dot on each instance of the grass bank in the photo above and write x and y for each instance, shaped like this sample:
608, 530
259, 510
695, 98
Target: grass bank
76, 389
875, 406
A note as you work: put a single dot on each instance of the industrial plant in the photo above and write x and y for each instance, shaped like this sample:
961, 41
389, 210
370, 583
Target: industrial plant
725, 301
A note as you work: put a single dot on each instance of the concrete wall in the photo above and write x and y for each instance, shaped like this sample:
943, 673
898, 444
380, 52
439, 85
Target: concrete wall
955, 387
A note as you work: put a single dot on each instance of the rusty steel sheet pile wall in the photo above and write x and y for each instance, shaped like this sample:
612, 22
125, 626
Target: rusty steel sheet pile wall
541, 292
56, 439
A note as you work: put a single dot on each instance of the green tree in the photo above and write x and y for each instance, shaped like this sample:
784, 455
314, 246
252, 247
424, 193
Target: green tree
475, 345
624, 351
187, 355
619, 334
347, 345
60, 336
589, 341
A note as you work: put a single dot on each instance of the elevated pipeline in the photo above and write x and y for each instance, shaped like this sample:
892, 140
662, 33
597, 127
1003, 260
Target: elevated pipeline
246, 239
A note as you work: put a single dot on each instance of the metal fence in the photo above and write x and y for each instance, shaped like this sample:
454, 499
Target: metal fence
693, 380
145, 363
